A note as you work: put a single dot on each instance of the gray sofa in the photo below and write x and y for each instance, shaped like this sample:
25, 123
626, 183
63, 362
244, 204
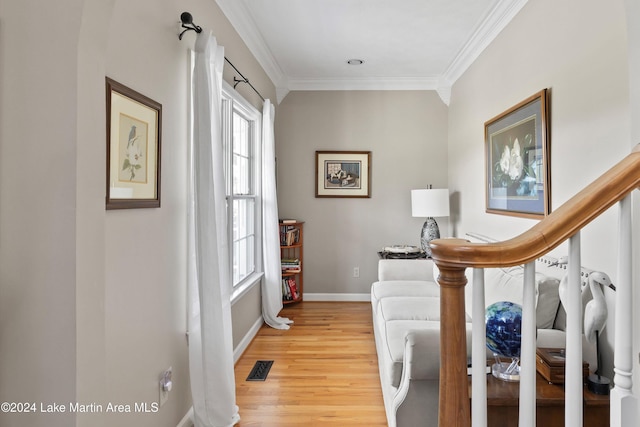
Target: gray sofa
406, 320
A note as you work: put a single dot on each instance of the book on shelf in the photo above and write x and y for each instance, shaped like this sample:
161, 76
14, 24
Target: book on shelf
293, 286
290, 265
288, 221
289, 236
290, 290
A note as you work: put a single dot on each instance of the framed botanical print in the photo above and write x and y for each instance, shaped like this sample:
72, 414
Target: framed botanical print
518, 180
134, 130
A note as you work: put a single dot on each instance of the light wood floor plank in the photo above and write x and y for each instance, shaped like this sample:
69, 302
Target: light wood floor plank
325, 370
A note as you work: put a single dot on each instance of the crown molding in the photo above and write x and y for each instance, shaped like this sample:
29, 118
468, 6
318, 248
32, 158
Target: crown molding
444, 91
382, 83
366, 83
495, 21
281, 92
240, 18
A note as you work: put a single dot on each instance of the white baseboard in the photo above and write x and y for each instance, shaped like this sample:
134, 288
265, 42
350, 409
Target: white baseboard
187, 420
338, 297
249, 336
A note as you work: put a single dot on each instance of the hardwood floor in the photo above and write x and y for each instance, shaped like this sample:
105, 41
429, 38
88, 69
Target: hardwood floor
325, 370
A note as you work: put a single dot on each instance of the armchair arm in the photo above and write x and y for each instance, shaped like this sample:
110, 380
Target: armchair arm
416, 401
422, 353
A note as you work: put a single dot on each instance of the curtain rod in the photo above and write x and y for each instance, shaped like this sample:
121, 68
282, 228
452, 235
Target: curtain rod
188, 25
243, 80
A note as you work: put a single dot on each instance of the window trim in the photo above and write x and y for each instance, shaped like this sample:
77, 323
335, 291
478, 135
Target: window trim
233, 100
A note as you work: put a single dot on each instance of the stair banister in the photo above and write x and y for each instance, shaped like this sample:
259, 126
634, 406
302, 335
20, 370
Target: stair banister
623, 403
479, 358
573, 355
527, 407
453, 256
453, 406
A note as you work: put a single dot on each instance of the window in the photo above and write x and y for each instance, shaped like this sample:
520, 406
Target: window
241, 138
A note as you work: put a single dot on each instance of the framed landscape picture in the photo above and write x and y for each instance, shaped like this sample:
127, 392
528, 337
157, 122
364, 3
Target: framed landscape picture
518, 180
134, 124
343, 173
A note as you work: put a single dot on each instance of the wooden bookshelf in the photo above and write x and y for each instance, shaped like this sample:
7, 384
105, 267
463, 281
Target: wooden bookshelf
291, 258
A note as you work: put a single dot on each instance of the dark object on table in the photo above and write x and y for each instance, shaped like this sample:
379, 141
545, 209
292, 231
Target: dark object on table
402, 252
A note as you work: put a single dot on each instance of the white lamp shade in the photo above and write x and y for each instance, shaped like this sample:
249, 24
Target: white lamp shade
427, 203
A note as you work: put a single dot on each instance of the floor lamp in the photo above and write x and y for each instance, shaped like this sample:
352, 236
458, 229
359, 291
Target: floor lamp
429, 203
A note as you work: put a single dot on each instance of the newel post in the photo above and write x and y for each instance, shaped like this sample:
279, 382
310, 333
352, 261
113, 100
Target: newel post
454, 406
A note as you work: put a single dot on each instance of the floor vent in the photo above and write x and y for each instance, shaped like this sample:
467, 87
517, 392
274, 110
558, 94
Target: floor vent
260, 370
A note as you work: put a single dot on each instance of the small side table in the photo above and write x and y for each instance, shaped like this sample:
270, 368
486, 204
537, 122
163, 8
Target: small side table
502, 404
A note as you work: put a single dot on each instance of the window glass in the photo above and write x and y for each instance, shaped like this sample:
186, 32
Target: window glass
241, 147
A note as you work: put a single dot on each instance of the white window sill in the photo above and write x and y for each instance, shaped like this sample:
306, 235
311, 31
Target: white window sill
247, 284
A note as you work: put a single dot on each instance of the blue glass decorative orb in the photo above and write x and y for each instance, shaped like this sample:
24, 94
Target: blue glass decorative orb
504, 325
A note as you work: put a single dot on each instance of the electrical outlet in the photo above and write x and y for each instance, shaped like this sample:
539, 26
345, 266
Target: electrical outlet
165, 385
356, 271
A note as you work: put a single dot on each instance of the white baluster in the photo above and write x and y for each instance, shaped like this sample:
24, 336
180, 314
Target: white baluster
573, 368
527, 404
623, 404
478, 352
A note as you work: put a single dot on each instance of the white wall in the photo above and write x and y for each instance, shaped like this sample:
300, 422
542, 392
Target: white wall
406, 134
578, 49
92, 303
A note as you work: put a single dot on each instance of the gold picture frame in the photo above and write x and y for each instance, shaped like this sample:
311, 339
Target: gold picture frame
134, 133
518, 171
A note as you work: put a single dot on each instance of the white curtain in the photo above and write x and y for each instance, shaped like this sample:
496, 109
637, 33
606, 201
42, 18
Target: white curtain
209, 322
272, 283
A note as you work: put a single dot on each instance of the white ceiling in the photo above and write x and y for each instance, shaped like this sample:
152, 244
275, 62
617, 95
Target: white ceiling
405, 44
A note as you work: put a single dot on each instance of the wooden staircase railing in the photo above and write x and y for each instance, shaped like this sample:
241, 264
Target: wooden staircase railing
453, 256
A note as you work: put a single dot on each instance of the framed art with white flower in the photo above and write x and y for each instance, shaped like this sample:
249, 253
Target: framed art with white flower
518, 180
134, 128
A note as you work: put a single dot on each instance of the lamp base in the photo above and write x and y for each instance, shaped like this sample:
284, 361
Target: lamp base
598, 384
430, 231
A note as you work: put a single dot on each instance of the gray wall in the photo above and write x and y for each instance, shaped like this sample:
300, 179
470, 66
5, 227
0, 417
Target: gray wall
406, 133
584, 63
93, 303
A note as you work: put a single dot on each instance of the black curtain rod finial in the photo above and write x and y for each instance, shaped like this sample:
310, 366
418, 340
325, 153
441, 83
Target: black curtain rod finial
187, 23
186, 18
